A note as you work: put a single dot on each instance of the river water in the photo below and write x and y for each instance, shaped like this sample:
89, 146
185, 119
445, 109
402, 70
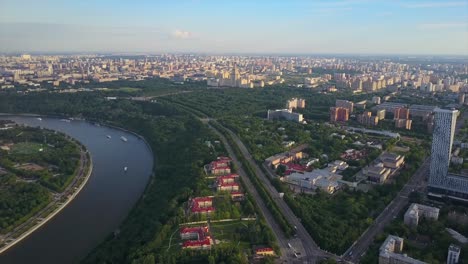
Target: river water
102, 204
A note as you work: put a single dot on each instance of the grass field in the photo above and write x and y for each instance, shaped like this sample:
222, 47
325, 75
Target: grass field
227, 232
26, 148
126, 89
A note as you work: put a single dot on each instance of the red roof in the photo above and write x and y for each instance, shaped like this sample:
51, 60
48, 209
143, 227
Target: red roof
202, 209
296, 167
200, 230
224, 158
202, 199
228, 184
196, 208
258, 250
197, 243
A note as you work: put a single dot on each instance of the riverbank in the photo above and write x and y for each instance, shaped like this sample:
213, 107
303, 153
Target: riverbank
85, 171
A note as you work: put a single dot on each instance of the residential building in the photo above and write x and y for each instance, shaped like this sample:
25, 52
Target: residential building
453, 254
403, 123
401, 113
295, 103
418, 211
339, 114
345, 104
391, 252
381, 114
367, 119
440, 181
376, 100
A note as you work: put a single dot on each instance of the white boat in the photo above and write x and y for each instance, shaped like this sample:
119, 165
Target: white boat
65, 120
108, 136
124, 139
125, 168
40, 119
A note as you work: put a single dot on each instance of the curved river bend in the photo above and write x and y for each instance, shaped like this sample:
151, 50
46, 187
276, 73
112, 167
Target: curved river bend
103, 203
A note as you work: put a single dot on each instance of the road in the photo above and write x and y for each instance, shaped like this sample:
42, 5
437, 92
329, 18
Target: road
416, 183
312, 251
281, 238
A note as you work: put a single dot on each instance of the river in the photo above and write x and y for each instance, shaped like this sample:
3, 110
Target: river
100, 207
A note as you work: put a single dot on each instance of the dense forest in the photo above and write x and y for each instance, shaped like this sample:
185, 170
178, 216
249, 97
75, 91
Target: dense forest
33, 163
177, 140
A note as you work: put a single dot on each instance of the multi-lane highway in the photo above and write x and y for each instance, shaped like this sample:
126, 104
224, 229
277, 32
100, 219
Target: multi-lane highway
312, 251
416, 183
282, 240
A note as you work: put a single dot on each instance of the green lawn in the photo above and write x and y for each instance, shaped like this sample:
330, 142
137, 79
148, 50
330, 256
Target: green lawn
26, 148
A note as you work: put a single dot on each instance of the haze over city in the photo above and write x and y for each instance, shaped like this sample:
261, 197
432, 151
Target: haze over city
287, 27
238, 132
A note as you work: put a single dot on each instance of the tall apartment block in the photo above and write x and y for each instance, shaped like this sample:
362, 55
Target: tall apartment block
441, 182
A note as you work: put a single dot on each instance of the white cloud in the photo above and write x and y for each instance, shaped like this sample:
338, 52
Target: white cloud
180, 34
435, 4
443, 25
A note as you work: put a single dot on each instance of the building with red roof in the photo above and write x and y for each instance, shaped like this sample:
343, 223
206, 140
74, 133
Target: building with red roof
264, 251
232, 186
198, 244
202, 205
194, 233
237, 196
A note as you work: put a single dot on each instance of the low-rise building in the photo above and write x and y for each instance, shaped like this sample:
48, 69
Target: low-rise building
392, 160
237, 196
323, 179
283, 158
264, 252
417, 211
376, 173
221, 166
391, 252
202, 205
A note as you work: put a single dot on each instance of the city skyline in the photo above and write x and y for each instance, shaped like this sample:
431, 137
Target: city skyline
295, 27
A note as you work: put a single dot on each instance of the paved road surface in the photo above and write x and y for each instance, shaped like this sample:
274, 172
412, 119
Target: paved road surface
416, 182
282, 240
312, 251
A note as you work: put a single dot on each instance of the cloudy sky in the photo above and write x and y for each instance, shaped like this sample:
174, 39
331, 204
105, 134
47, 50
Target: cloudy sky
235, 26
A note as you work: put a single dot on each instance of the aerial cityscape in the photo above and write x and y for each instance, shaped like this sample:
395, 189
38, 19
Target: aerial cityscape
234, 132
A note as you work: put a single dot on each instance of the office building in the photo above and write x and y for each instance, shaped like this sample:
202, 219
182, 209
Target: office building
285, 114
418, 211
453, 254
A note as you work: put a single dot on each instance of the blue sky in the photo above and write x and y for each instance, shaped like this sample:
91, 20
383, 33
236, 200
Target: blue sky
236, 26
